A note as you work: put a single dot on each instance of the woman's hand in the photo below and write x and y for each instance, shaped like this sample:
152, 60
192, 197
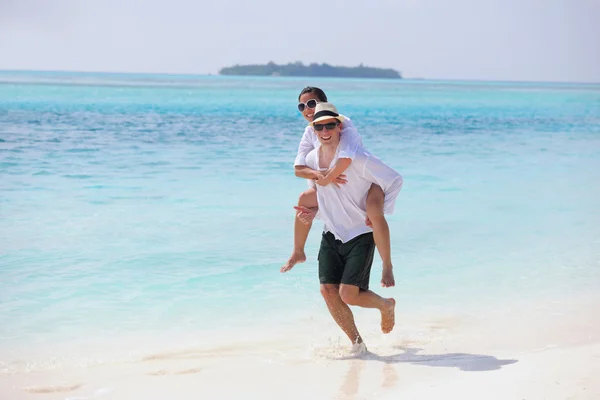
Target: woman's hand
340, 180
324, 179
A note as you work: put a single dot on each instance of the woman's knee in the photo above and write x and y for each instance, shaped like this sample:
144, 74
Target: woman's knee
308, 198
375, 211
375, 200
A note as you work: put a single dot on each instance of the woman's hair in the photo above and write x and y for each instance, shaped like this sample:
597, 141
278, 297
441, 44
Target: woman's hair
318, 92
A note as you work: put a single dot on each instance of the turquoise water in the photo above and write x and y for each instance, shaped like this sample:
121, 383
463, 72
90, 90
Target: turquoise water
156, 204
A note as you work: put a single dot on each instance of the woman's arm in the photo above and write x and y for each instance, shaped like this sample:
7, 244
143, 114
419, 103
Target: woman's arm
338, 169
302, 171
350, 140
306, 146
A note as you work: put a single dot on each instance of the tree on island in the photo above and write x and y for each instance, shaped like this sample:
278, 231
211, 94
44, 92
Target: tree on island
313, 69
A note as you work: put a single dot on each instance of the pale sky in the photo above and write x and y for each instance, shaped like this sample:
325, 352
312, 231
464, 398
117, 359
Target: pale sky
531, 40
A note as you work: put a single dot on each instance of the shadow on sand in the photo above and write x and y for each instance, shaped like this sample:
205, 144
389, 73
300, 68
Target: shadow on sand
462, 361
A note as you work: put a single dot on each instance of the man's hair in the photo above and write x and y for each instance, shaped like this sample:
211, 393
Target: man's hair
318, 92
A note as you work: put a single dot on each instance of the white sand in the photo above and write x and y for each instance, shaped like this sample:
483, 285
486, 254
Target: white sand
541, 351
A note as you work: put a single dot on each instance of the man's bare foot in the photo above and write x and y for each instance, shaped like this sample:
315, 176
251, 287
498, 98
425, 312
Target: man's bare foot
387, 277
297, 257
388, 318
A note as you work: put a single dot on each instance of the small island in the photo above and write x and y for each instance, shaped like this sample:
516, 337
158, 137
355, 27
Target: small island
314, 70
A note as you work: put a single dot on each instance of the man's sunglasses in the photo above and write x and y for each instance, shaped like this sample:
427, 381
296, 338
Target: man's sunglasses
312, 103
329, 126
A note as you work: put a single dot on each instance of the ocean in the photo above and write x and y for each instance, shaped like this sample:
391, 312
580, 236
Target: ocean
145, 213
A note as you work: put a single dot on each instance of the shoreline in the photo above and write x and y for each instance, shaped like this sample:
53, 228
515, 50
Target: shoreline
522, 350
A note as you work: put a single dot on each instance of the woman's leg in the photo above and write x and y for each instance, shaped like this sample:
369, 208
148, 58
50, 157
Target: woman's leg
381, 233
307, 199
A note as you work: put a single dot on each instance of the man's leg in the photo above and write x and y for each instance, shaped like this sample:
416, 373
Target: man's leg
358, 258
381, 233
340, 311
352, 295
307, 199
331, 270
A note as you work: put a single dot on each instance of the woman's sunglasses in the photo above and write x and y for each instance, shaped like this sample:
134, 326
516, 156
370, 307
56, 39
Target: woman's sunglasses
329, 126
312, 103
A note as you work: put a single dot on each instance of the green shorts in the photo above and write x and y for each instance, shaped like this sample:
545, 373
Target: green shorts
348, 263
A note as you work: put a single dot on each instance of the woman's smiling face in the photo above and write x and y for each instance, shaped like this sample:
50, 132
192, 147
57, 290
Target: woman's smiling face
308, 113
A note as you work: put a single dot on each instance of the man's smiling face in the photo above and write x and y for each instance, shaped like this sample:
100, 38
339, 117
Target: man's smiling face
328, 131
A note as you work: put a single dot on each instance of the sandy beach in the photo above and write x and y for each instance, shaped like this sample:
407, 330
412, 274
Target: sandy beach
528, 351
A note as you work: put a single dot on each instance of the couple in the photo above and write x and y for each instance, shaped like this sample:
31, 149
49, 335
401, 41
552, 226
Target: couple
350, 190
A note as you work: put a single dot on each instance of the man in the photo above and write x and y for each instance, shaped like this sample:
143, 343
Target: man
347, 245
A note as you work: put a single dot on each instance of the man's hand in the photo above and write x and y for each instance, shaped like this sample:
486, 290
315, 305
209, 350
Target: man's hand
368, 222
387, 278
305, 215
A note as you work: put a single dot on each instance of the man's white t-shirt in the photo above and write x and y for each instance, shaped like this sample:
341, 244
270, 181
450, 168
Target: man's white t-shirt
350, 142
343, 209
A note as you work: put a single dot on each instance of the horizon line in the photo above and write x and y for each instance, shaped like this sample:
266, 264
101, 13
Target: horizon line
415, 78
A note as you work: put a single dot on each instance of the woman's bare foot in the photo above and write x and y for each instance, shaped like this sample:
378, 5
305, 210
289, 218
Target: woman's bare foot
297, 257
387, 277
388, 316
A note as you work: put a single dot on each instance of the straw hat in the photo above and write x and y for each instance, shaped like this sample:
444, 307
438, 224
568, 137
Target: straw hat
324, 111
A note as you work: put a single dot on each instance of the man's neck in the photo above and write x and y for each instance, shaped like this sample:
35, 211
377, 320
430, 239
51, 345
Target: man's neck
327, 155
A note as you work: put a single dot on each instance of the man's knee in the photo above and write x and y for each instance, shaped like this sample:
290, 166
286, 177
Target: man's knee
308, 198
349, 294
329, 291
